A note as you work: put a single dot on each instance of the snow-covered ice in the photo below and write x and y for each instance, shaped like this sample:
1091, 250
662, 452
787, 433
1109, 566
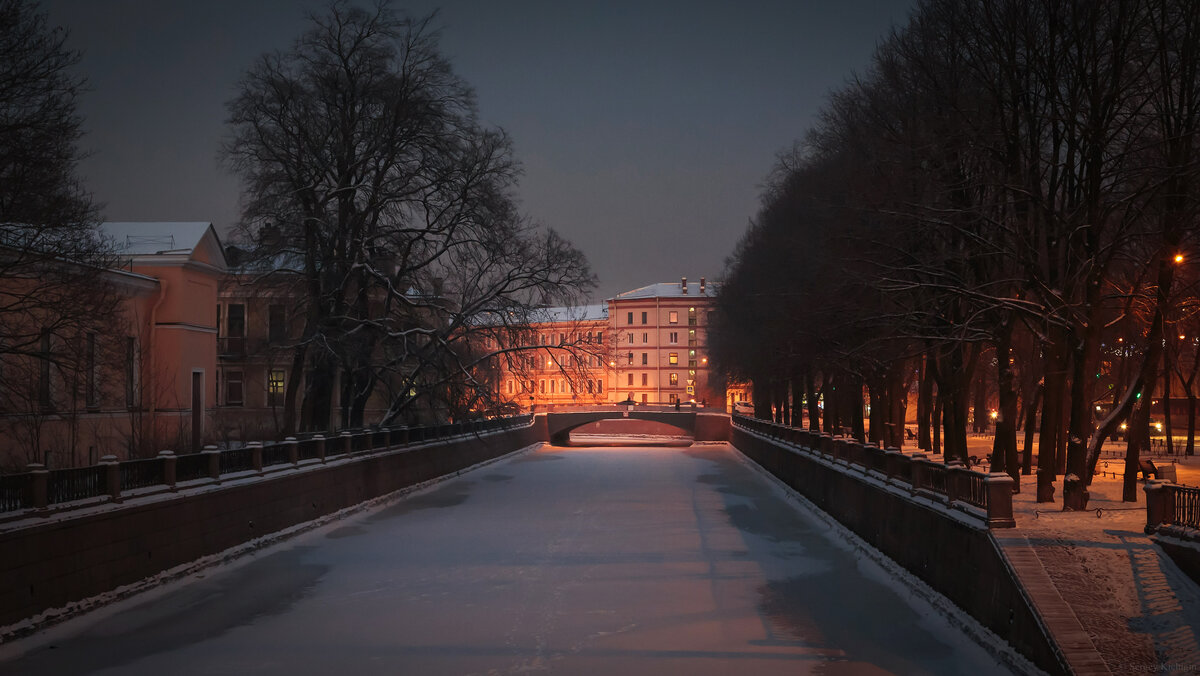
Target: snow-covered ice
571, 561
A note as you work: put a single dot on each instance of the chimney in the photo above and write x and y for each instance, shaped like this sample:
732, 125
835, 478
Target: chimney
683, 285
701, 285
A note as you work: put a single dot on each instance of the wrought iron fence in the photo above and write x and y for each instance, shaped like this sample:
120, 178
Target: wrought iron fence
1187, 506
141, 473
76, 483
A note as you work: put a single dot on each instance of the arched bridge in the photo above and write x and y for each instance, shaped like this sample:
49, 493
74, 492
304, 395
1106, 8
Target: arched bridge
701, 426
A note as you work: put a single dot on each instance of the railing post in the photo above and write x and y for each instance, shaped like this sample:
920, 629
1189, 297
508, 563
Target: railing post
999, 500
920, 465
346, 440
214, 462
319, 442
39, 485
256, 455
892, 457
1160, 504
825, 444
954, 470
112, 476
170, 462
293, 449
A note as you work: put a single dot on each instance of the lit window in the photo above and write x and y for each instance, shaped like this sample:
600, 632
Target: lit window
674, 378
673, 358
673, 317
275, 382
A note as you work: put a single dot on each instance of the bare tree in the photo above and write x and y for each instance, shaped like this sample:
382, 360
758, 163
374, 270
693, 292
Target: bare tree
390, 206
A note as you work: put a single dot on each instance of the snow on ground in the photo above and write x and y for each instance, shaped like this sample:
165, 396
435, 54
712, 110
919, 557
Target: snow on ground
1140, 610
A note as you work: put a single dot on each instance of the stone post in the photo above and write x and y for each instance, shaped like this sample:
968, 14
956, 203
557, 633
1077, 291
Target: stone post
112, 476
293, 450
255, 455
39, 485
169, 464
214, 462
893, 461
319, 442
1160, 504
825, 444
346, 441
920, 471
999, 496
954, 471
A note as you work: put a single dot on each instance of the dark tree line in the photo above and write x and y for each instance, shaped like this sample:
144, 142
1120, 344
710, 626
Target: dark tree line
373, 193
1000, 214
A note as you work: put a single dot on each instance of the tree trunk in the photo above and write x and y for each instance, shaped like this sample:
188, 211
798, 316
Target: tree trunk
814, 408
1031, 419
1052, 410
1139, 433
925, 405
1004, 447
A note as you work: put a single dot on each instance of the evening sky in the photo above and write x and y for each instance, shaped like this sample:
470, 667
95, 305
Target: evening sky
645, 129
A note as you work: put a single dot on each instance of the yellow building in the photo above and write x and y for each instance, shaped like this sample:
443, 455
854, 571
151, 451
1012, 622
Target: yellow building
648, 345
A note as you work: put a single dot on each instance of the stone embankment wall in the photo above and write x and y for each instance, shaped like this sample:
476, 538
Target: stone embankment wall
949, 550
49, 563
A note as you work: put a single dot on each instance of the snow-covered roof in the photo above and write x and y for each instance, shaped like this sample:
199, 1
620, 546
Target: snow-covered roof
576, 313
142, 238
197, 241
669, 290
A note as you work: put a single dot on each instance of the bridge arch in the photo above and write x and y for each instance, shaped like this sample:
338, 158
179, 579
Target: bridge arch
560, 425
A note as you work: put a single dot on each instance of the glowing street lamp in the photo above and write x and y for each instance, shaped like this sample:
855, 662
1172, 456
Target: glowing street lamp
1179, 258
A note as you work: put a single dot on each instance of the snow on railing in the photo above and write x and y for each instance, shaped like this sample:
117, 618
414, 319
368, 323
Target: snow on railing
38, 488
946, 482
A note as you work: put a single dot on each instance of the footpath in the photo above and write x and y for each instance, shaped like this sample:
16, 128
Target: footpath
1115, 602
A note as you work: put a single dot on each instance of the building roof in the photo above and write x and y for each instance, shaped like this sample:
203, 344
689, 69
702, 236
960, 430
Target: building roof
196, 240
669, 290
578, 313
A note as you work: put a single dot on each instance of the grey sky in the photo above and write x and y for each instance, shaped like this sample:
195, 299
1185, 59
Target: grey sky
645, 129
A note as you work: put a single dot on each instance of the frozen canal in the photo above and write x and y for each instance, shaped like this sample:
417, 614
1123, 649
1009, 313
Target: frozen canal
564, 561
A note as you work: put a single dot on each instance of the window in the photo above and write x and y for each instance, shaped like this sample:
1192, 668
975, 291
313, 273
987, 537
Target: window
275, 388
589, 337
631, 359
673, 337
674, 379
219, 332
542, 385
645, 337
599, 387
233, 388
645, 358
236, 321
510, 386
644, 398
673, 317
551, 387
630, 320
630, 379
590, 386
276, 324
673, 358
643, 317
562, 339
691, 354
631, 338
91, 400
673, 398
599, 336
645, 379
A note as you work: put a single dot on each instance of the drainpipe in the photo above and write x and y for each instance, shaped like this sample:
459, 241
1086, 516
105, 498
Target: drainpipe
658, 347
162, 294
